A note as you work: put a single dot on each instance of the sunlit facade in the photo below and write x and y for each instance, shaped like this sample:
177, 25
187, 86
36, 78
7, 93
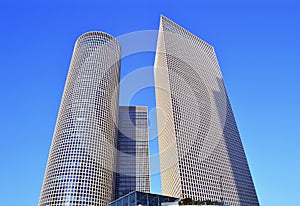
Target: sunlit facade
201, 153
132, 159
81, 159
99, 150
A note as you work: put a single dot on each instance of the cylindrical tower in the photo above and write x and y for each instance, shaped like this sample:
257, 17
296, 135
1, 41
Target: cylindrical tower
81, 160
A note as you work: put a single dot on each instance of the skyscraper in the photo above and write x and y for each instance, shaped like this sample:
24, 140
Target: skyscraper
132, 159
201, 154
81, 159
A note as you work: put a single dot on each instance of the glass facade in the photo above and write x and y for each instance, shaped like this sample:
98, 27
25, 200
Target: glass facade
132, 159
143, 199
81, 159
201, 153
92, 161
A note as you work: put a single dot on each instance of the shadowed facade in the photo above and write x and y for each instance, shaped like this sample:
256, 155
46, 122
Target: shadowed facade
132, 156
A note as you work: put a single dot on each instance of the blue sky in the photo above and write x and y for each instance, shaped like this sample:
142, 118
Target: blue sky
257, 45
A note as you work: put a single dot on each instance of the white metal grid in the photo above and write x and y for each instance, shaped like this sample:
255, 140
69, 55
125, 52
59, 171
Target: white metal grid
80, 164
201, 154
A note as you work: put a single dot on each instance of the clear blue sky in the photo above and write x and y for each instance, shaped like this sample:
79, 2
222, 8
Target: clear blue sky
257, 45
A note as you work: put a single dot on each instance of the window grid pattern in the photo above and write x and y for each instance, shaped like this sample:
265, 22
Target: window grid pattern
209, 161
132, 161
80, 162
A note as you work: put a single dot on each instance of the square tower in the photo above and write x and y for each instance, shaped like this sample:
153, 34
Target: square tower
132, 158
